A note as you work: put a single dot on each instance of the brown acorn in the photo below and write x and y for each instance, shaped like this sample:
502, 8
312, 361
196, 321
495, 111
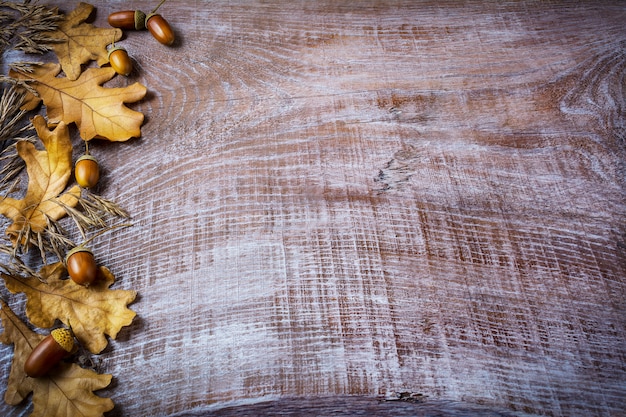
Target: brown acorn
81, 266
87, 171
49, 352
160, 29
128, 19
120, 61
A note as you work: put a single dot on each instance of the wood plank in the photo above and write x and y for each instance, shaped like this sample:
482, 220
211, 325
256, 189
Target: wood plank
358, 198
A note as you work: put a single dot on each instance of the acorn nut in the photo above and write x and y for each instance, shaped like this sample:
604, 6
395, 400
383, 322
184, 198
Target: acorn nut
81, 266
49, 352
160, 29
128, 19
87, 171
120, 61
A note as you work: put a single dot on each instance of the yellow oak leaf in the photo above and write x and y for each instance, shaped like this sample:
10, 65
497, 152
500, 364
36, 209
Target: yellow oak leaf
76, 42
48, 173
66, 392
99, 112
92, 312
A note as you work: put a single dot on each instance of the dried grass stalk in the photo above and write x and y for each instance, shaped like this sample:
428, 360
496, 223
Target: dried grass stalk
16, 267
98, 204
13, 127
24, 26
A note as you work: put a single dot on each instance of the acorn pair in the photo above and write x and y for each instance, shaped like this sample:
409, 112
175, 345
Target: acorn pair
137, 20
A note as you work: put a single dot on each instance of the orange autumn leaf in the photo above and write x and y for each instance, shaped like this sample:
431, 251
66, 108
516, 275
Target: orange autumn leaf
48, 173
66, 392
99, 112
77, 42
92, 312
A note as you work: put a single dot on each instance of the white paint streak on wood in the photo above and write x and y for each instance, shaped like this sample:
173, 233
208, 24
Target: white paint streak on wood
354, 198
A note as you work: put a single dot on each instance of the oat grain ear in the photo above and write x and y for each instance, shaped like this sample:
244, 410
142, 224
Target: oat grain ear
27, 26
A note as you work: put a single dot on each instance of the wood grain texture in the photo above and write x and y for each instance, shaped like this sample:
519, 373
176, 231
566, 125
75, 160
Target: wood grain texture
357, 198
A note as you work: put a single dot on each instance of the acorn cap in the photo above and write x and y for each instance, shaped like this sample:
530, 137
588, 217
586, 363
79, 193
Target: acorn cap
64, 338
87, 157
140, 20
111, 50
148, 16
76, 250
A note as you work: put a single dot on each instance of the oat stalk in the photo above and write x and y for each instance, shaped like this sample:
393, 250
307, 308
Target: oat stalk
13, 127
16, 267
26, 26
93, 213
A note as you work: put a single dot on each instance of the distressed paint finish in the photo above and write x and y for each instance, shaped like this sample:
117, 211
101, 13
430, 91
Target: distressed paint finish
366, 197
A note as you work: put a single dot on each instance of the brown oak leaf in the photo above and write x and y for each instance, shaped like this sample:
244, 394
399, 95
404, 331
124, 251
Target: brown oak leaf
48, 173
92, 312
77, 42
99, 112
66, 392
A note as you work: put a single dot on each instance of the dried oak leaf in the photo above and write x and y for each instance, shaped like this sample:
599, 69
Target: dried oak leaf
92, 312
65, 392
48, 173
77, 42
99, 112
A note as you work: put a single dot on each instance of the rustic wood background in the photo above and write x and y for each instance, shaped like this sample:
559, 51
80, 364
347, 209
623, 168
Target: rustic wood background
338, 198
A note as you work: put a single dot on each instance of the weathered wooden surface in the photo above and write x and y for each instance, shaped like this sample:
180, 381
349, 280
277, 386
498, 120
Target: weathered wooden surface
356, 198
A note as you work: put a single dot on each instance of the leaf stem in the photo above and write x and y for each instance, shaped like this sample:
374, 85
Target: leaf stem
159, 5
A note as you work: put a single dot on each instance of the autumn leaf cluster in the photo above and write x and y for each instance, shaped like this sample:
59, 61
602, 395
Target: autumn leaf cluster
74, 96
79, 97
